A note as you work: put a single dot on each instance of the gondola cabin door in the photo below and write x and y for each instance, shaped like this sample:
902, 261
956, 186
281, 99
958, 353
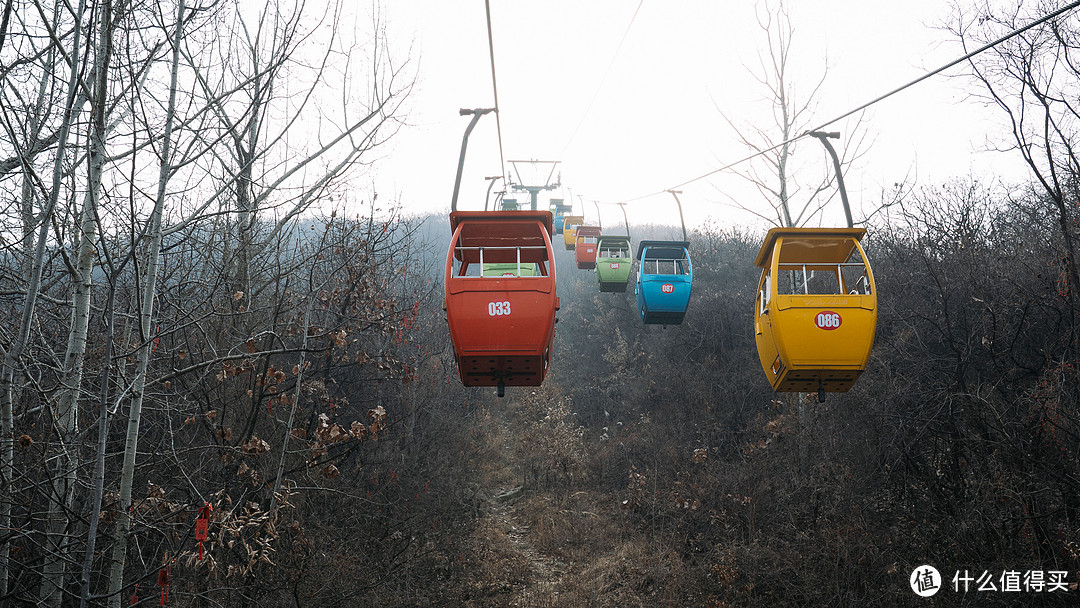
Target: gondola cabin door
500, 296
816, 309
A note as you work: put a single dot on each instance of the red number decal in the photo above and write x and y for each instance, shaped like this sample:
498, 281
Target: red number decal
828, 320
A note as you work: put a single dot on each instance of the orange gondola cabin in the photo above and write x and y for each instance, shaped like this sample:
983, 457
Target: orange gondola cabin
585, 246
502, 323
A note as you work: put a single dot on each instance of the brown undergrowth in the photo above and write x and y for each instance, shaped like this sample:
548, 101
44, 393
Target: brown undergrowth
547, 537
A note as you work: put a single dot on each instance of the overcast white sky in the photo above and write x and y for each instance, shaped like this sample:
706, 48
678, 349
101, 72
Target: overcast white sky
650, 122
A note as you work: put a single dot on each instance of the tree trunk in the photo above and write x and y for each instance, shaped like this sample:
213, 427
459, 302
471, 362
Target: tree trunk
131, 443
11, 363
58, 539
246, 205
65, 418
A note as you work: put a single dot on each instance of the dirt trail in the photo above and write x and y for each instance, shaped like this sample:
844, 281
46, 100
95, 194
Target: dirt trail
554, 540
543, 573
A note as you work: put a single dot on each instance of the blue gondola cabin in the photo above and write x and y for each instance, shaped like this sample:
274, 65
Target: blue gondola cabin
664, 281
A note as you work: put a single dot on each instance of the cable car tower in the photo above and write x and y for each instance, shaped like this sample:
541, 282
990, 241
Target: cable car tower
534, 188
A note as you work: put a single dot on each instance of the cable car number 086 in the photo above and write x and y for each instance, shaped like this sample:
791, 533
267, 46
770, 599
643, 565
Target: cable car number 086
499, 309
828, 320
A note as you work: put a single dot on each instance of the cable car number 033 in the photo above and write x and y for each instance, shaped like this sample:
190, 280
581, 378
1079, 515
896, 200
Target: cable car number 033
828, 320
498, 309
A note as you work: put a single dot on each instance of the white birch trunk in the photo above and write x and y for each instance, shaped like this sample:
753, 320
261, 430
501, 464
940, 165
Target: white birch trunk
65, 418
11, 363
26, 268
58, 538
131, 443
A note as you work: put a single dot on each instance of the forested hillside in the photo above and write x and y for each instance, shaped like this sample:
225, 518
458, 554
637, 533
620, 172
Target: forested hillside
227, 377
345, 464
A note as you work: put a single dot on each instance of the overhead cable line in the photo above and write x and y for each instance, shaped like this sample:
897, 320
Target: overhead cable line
1016, 32
596, 92
494, 87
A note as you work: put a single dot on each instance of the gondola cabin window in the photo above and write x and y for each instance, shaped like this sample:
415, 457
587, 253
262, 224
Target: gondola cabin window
614, 252
856, 281
848, 277
498, 262
665, 261
763, 293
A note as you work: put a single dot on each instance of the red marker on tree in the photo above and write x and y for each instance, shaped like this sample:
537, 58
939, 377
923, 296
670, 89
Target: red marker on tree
202, 526
163, 579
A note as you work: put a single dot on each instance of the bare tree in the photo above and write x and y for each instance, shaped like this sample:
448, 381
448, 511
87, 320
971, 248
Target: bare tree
281, 153
228, 158
12, 362
145, 314
1034, 79
806, 186
62, 494
274, 115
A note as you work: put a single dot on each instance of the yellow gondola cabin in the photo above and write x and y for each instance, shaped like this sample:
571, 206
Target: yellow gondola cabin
570, 226
816, 309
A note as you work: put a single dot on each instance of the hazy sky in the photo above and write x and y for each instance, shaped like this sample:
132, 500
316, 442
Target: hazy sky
631, 121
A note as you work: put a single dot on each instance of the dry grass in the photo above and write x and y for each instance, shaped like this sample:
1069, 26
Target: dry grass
538, 552
559, 544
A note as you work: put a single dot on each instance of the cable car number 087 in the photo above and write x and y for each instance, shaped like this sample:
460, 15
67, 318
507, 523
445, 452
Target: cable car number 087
499, 309
828, 320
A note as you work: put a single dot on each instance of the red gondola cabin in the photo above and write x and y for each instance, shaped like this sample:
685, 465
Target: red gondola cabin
585, 246
502, 324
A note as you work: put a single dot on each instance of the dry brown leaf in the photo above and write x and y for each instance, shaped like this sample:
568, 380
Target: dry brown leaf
255, 446
358, 431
